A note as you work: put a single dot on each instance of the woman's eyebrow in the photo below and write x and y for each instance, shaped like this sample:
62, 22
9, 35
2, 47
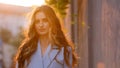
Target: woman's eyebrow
40, 18
36, 19
45, 19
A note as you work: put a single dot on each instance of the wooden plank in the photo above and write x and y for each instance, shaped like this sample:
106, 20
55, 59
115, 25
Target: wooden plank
104, 33
94, 37
110, 37
82, 48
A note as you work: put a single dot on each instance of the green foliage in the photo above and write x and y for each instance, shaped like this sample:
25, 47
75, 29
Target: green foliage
60, 6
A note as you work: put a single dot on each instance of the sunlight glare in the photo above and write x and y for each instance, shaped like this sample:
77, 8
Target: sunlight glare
23, 2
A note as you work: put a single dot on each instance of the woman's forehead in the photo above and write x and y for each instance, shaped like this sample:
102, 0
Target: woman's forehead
40, 15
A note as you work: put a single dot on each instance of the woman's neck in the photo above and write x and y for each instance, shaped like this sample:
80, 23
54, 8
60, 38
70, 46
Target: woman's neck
44, 40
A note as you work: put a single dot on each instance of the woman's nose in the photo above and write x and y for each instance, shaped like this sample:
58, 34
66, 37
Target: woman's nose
40, 24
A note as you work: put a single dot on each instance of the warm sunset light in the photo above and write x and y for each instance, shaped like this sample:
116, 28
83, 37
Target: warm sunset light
23, 2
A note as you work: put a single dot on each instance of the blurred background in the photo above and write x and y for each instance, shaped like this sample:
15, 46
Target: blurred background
93, 25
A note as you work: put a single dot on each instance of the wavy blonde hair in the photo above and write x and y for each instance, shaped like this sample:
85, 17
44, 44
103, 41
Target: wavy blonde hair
29, 44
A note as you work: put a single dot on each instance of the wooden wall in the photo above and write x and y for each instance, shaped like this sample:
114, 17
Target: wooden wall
96, 32
104, 33
79, 31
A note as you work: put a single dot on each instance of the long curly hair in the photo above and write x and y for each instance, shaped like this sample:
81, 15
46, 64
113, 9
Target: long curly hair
57, 37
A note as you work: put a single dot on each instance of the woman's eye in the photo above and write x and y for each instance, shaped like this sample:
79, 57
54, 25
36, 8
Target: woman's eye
37, 21
45, 20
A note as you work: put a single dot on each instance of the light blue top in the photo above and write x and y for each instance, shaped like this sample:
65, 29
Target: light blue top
48, 60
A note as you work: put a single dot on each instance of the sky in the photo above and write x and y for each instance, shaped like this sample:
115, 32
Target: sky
25, 3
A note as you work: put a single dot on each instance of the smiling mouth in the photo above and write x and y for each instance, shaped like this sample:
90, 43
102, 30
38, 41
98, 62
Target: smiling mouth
41, 30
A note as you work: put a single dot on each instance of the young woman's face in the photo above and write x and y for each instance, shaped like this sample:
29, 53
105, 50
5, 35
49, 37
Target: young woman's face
41, 24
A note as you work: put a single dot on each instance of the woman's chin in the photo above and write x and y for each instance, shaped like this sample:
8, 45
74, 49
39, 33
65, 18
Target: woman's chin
43, 33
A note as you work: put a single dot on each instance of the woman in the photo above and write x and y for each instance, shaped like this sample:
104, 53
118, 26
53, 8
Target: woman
45, 45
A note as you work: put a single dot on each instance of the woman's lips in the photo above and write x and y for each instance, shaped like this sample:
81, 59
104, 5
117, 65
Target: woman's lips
42, 30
